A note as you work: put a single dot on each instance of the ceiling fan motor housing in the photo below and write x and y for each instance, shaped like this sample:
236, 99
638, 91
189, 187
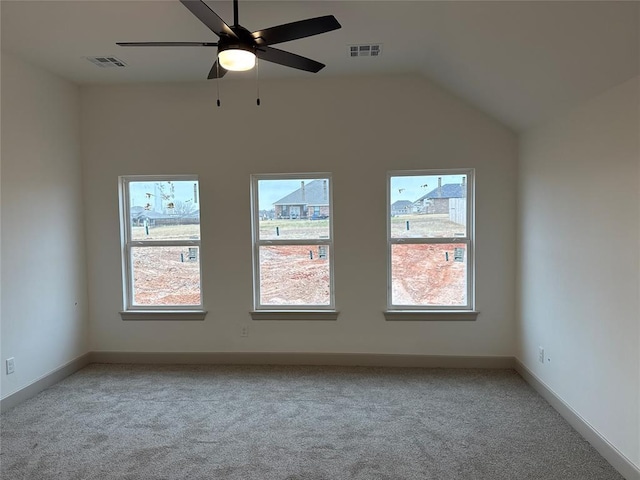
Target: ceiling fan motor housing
244, 41
238, 47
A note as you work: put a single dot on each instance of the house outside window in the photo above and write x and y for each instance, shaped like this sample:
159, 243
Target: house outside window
160, 231
430, 240
292, 246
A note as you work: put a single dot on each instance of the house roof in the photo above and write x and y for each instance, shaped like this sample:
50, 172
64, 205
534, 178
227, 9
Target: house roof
401, 204
450, 190
315, 193
140, 212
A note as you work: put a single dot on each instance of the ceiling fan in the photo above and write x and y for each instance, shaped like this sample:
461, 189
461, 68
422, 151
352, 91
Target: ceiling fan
238, 47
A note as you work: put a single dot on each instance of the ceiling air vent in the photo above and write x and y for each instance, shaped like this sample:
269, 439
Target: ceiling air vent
369, 50
106, 62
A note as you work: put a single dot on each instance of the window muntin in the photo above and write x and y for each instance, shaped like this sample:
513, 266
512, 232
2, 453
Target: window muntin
430, 241
161, 243
293, 244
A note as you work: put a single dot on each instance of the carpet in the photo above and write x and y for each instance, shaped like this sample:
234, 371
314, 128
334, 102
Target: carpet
152, 422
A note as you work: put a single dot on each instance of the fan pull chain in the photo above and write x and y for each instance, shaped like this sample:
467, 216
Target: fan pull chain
258, 81
218, 82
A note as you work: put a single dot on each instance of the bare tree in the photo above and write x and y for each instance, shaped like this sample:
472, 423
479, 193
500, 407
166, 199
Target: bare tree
183, 208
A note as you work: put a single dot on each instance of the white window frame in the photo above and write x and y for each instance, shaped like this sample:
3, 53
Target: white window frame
290, 312
155, 312
449, 312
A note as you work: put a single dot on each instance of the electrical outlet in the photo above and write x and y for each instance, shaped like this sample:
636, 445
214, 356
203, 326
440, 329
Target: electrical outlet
541, 354
11, 365
244, 331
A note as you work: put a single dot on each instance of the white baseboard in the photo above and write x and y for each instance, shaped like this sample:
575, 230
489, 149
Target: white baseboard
267, 358
44, 382
619, 461
250, 358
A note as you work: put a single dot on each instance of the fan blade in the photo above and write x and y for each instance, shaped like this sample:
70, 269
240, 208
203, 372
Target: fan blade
216, 71
295, 30
209, 18
288, 59
167, 44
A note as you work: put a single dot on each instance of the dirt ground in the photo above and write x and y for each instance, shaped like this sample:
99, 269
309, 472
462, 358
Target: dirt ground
165, 276
298, 275
294, 275
422, 275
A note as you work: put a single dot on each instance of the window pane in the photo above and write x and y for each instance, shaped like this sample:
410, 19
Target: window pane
428, 206
295, 275
164, 210
166, 275
294, 209
429, 274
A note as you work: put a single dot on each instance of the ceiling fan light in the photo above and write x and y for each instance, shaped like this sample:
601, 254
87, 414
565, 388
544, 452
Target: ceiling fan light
236, 59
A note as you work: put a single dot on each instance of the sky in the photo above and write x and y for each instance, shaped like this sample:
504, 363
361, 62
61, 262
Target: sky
183, 192
270, 191
410, 187
414, 186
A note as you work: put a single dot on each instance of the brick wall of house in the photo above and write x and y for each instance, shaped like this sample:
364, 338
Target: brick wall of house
437, 205
283, 211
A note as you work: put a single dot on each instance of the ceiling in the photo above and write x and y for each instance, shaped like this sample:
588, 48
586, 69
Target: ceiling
520, 62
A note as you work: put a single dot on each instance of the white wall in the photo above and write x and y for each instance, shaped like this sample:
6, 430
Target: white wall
579, 265
44, 293
358, 129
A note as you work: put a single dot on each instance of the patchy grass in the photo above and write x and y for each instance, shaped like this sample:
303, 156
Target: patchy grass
293, 229
434, 225
166, 232
421, 273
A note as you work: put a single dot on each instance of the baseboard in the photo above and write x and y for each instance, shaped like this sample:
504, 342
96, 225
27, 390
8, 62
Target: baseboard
44, 382
626, 468
251, 358
619, 461
267, 358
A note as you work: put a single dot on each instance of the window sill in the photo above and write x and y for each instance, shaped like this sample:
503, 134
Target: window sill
170, 315
430, 315
321, 315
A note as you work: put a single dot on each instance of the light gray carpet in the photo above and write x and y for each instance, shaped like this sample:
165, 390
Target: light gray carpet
294, 423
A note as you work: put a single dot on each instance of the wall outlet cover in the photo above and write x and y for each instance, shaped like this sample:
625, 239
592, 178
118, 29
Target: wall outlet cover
541, 354
11, 365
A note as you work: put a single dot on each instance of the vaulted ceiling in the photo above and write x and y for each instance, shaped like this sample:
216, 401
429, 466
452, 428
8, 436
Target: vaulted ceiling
520, 62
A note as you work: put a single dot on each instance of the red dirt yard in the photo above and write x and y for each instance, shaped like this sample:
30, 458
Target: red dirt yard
422, 274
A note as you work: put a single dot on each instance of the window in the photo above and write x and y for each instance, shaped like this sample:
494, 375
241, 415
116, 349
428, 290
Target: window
430, 240
292, 242
160, 224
